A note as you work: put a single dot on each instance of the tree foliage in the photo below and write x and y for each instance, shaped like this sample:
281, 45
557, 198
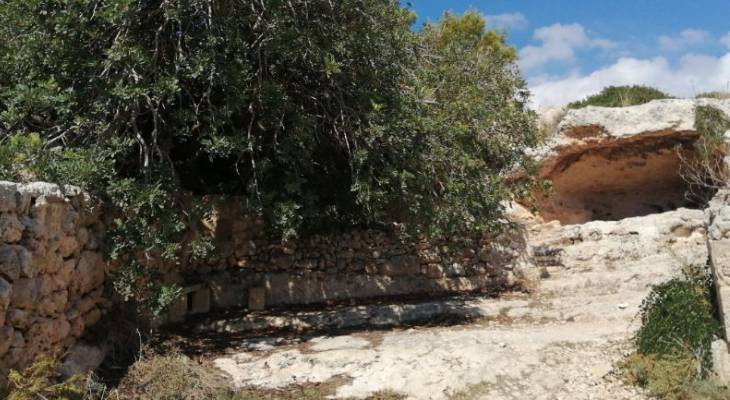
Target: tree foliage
317, 114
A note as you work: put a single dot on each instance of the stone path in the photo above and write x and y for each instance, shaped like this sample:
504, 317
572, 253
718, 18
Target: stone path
560, 342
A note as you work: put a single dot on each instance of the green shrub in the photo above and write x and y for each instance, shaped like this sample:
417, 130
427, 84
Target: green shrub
673, 358
677, 320
621, 96
317, 114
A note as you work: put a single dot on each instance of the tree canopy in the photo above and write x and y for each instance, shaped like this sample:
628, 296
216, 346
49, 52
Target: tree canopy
317, 114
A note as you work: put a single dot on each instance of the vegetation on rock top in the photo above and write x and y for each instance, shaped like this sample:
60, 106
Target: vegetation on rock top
621, 96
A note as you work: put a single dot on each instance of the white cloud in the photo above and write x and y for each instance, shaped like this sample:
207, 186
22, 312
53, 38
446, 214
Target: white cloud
686, 38
726, 40
693, 74
559, 43
513, 21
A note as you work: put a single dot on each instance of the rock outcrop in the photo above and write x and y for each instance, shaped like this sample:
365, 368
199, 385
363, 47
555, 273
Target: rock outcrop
613, 163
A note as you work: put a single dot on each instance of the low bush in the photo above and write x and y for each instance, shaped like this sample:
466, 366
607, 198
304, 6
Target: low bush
673, 358
677, 320
621, 96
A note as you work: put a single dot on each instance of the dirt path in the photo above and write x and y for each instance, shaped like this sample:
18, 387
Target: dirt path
560, 342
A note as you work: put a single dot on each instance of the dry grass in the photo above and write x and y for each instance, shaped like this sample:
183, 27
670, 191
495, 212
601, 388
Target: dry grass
671, 379
175, 376
172, 376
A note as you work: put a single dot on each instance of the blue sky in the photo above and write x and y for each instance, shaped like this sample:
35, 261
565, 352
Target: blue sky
572, 48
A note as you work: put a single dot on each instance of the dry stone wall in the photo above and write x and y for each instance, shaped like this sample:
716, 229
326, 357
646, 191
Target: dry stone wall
251, 270
51, 270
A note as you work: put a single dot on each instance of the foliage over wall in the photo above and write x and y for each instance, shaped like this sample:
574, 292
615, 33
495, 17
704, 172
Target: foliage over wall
318, 114
621, 96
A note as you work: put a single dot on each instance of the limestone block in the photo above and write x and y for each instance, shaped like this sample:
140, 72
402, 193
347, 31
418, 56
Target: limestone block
6, 292
200, 301
69, 221
22, 201
401, 265
38, 189
11, 230
27, 268
84, 305
721, 361
77, 326
67, 246
723, 305
89, 273
33, 228
434, 271
82, 237
94, 241
226, 294
26, 293
7, 196
55, 303
19, 318
46, 331
18, 340
178, 310
9, 263
91, 317
256, 299
455, 269
6, 339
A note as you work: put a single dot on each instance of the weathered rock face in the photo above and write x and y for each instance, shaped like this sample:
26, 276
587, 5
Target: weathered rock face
614, 163
51, 271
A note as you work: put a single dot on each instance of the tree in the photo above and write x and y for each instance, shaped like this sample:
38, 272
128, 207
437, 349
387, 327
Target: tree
317, 114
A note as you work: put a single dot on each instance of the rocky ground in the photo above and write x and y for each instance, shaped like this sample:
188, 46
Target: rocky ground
562, 341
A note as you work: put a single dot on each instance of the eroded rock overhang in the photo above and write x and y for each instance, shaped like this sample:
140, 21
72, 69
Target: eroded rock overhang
614, 163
